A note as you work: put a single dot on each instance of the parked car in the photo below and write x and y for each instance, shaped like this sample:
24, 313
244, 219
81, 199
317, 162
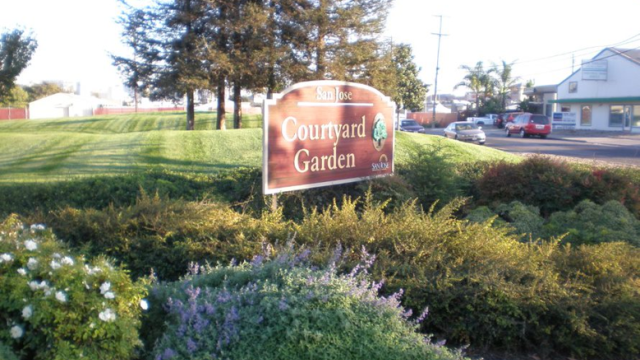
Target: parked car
529, 124
411, 126
505, 118
465, 131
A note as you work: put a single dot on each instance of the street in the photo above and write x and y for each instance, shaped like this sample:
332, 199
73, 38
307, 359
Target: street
609, 147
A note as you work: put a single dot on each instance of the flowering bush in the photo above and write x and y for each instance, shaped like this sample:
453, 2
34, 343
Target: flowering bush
283, 309
55, 305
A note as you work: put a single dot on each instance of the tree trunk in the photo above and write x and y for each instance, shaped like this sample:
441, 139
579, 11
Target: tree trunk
221, 116
191, 117
237, 107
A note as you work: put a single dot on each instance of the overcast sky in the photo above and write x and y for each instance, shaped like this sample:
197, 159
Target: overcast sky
76, 36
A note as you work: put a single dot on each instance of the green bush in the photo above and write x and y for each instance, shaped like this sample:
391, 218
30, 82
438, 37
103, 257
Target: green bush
6, 353
431, 176
283, 309
589, 223
55, 305
163, 235
518, 218
486, 287
234, 186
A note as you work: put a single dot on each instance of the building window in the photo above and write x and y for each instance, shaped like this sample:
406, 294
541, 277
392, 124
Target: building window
616, 116
636, 116
585, 115
573, 87
565, 108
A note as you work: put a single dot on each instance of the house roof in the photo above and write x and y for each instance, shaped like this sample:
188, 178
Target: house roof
631, 54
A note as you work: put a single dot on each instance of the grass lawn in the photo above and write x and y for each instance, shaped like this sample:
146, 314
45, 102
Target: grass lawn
62, 149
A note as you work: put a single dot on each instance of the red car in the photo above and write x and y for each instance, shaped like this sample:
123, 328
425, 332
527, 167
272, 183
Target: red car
505, 118
529, 124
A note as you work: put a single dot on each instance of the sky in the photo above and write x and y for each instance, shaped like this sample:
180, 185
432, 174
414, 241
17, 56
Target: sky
540, 37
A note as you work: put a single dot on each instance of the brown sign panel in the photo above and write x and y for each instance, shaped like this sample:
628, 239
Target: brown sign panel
324, 133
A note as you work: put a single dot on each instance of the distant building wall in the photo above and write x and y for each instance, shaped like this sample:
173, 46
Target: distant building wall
130, 110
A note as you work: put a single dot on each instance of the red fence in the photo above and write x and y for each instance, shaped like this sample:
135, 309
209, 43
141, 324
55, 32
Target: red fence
442, 120
13, 114
113, 111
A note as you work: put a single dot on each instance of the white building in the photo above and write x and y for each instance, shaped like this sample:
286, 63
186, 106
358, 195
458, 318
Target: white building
63, 105
604, 94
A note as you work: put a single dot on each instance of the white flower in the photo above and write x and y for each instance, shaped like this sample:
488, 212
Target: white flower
107, 315
48, 291
61, 296
22, 271
32, 264
55, 265
31, 245
5, 257
105, 287
38, 227
57, 256
16, 332
33, 285
27, 312
91, 270
67, 260
144, 304
109, 295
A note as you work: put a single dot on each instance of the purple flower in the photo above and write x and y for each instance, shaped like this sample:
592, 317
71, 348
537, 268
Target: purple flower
168, 354
282, 305
423, 316
257, 260
191, 346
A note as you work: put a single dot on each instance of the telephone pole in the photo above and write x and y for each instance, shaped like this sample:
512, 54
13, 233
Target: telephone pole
435, 89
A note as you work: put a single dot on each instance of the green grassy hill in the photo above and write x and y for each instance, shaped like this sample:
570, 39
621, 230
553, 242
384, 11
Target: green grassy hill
60, 149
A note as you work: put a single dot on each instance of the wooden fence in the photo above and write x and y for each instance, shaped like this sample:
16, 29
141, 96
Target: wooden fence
13, 113
442, 120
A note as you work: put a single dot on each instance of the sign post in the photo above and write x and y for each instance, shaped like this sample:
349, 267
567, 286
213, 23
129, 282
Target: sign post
324, 133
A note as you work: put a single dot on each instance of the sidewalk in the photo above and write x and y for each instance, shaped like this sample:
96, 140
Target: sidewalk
596, 133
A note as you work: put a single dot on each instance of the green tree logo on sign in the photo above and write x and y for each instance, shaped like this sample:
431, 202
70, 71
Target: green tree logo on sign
379, 132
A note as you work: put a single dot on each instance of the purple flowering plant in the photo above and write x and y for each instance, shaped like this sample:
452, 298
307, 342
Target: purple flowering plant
277, 306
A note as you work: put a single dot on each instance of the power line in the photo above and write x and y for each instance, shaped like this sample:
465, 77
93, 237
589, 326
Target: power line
623, 42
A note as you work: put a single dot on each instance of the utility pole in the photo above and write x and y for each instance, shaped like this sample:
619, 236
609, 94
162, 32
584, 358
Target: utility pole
435, 90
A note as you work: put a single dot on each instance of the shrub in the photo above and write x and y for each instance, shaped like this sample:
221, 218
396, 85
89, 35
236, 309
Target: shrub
589, 223
556, 185
283, 309
163, 235
543, 182
6, 353
57, 306
234, 186
431, 176
517, 218
485, 287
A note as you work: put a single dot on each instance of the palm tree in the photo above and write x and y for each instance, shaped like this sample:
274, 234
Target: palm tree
479, 81
504, 81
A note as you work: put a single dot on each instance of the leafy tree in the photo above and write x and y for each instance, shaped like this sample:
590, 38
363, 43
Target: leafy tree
135, 69
43, 89
504, 81
410, 90
479, 81
17, 98
16, 49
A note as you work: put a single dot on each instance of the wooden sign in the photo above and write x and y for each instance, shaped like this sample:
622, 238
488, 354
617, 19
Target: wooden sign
325, 133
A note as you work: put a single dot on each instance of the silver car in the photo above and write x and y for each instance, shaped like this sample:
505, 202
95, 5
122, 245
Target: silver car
465, 131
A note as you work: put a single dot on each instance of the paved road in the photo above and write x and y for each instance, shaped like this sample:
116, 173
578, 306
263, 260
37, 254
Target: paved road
610, 147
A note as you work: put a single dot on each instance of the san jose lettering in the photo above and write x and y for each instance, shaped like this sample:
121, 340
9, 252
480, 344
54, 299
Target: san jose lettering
334, 94
304, 161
